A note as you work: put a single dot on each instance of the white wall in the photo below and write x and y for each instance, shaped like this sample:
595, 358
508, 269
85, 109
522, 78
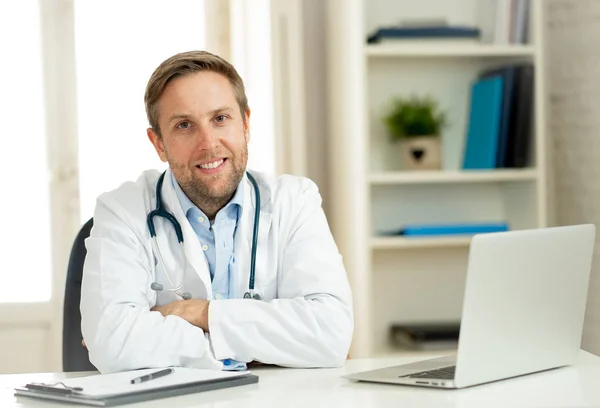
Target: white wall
574, 69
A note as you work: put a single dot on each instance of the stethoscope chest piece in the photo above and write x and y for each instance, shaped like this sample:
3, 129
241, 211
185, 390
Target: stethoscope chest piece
255, 296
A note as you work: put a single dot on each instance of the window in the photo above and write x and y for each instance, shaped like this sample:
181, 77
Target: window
25, 250
252, 56
119, 43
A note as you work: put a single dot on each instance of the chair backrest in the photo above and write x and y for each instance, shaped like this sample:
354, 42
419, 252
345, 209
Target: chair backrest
75, 356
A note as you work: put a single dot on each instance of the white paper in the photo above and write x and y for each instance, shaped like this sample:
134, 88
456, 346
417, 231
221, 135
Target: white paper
108, 385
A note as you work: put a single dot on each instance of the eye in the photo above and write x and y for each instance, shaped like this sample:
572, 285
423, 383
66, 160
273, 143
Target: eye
220, 118
183, 125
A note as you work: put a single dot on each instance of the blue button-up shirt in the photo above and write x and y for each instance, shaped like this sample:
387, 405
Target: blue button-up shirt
216, 238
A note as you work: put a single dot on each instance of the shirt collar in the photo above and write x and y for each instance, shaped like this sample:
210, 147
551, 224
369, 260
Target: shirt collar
187, 204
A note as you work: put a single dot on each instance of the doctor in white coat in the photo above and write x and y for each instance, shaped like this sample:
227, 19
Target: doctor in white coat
147, 303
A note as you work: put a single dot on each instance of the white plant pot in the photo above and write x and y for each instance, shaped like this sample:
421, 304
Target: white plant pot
421, 153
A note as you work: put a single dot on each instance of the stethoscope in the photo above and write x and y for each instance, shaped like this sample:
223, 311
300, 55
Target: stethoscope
161, 211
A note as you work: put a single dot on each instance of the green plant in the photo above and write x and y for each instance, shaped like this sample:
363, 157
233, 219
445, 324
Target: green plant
414, 117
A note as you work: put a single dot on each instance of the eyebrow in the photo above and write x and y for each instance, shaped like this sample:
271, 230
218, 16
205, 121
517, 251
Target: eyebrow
221, 110
178, 116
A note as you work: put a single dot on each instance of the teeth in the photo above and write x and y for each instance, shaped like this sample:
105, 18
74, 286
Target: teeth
212, 165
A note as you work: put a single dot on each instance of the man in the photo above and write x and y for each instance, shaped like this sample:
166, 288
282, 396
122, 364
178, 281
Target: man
155, 304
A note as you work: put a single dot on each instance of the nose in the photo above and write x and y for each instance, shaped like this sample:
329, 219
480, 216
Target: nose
206, 138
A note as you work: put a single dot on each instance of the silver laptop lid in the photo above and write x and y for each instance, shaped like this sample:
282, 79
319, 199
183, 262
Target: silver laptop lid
524, 302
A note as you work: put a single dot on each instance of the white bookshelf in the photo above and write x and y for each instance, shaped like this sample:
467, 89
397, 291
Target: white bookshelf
406, 279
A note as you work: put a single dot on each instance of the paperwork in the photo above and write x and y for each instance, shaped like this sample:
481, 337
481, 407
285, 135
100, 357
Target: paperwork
116, 389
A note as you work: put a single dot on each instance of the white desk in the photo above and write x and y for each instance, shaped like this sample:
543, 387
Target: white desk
577, 386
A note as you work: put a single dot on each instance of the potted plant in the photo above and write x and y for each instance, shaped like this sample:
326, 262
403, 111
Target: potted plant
416, 124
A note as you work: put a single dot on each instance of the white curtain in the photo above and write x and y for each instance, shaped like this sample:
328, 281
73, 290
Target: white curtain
263, 39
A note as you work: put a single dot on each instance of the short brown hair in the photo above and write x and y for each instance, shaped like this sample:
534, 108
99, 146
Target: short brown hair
186, 63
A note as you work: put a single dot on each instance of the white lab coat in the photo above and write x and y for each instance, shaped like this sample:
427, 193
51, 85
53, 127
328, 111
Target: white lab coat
304, 320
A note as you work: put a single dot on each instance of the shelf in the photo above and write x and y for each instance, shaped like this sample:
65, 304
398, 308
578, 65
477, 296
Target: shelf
440, 49
425, 242
390, 353
439, 177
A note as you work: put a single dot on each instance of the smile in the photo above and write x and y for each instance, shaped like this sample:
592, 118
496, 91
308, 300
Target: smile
212, 165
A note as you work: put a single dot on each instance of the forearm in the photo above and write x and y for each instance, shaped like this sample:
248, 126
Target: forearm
299, 332
194, 311
128, 338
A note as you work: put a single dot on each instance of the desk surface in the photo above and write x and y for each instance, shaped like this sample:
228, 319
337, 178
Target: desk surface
576, 386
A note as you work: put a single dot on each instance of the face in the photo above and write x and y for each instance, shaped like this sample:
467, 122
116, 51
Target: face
204, 137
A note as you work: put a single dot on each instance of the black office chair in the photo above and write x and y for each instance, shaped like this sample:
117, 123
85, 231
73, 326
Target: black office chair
75, 356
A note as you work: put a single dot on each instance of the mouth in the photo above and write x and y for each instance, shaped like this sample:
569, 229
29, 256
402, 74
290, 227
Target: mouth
212, 167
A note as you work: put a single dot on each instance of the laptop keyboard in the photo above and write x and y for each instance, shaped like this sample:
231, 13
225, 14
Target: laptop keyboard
445, 373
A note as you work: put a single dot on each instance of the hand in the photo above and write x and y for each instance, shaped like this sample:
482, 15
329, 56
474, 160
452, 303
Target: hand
194, 311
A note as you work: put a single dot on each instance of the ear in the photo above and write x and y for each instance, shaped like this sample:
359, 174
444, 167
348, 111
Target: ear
158, 144
247, 125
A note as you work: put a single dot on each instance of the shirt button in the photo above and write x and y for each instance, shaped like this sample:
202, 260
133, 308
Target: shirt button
201, 219
205, 247
218, 296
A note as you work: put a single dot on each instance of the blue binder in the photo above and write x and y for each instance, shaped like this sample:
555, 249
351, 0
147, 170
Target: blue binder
481, 149
467, 228
453, 229
508, 75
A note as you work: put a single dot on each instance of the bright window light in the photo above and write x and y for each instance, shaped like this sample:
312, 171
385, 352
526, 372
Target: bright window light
25, 249
255, 47
119, 43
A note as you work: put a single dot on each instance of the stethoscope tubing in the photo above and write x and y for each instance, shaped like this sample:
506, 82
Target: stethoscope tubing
161, 211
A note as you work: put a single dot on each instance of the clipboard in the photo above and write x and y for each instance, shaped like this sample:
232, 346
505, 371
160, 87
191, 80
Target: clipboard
107, 390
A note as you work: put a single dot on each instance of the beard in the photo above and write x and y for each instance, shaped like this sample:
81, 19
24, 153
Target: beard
211, 193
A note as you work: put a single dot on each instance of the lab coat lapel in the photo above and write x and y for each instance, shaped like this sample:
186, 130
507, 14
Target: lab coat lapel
243, 239
193, 250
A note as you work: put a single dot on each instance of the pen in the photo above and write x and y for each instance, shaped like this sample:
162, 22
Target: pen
152, 376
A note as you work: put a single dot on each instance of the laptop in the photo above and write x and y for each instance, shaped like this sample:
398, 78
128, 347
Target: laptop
523, 310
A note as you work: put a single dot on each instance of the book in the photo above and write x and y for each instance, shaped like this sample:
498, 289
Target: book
504, 21
481, 147
425, 336
113, 389
426, 31
507, 73
521, 126
515, 115
468, 228
520, 22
